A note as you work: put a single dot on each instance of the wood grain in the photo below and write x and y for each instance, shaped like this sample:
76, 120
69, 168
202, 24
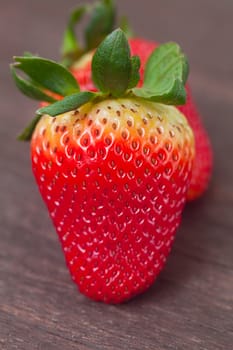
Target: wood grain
191, 304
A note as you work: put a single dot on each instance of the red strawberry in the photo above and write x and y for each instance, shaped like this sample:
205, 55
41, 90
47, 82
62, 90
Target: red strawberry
202, 168
113, 168
114, 176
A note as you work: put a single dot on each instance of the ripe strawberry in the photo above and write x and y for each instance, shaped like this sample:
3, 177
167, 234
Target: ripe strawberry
113, 167
202, 167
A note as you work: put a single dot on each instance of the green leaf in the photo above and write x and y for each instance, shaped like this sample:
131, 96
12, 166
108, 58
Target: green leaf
30, 89
174, 95
167, 61
101, 23
26, 135
165, 75
125, 26
48, 74
111, 64
69, 103
71, 49
135, 76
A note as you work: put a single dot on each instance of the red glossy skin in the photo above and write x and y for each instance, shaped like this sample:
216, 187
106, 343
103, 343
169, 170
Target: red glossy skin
202, 168
114, 177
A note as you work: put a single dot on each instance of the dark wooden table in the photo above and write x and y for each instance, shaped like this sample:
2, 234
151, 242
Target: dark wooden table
191, 305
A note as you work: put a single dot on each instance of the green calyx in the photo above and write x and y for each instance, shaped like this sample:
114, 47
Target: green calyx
112, 67
114, 72
166, 73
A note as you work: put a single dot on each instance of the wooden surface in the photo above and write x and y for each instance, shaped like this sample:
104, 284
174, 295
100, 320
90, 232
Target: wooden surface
191, 305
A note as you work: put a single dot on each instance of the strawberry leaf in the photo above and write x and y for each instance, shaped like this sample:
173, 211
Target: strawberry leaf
135, 76
111, 64
30, 89
167, 60
175, 95
101, 23
67, 104
48, 74
70, 46
165, 76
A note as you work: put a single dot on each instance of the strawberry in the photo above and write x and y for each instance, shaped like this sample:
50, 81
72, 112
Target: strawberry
112, 166
202, 168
